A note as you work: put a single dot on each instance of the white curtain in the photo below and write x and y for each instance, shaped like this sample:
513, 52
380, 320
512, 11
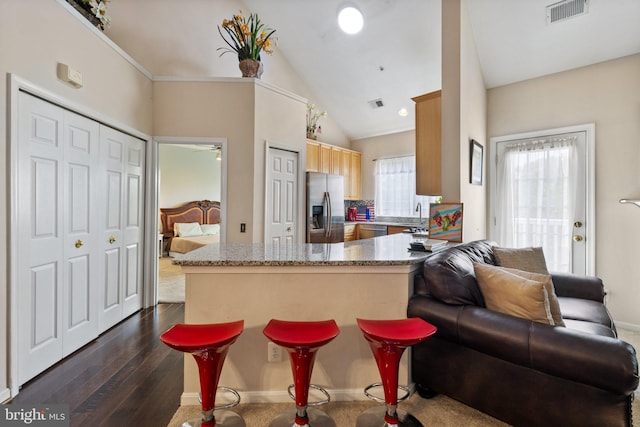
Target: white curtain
395, 182
535, 206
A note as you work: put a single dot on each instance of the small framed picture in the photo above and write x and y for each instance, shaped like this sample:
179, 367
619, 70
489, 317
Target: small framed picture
445, 221
475, 162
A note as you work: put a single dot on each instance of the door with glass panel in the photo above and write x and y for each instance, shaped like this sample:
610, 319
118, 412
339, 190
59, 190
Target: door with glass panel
542, 195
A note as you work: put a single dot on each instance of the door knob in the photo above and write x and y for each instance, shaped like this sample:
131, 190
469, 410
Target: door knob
577, 224
578, 238
79, 243
112, 240
289, 229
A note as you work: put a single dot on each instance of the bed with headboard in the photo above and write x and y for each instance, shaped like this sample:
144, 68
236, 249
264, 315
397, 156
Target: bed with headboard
190, 226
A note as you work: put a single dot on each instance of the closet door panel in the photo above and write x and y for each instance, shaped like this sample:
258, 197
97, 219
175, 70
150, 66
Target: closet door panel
39, 247
79, 304
134, 208
112, 151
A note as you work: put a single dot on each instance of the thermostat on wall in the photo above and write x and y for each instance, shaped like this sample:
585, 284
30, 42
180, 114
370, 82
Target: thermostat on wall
69, 75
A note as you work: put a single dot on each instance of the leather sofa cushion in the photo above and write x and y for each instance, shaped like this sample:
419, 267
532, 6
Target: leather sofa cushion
590, 328
449, 274
586, 311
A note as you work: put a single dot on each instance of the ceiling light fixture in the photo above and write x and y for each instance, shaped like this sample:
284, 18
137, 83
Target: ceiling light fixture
403, 112
350, 20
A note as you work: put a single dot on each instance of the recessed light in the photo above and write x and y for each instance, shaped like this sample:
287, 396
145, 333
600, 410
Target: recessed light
403, 112
350, 20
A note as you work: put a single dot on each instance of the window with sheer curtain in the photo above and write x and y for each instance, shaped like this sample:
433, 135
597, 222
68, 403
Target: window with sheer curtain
395, 182
536, 183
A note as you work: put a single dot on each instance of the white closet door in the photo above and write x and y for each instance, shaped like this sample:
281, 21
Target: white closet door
112, 150
80, 195
133, 229
40, 242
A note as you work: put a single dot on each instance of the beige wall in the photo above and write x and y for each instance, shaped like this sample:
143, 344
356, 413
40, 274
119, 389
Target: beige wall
607, 94
188, 174
34, 36
464, 113
248, 114
379, 147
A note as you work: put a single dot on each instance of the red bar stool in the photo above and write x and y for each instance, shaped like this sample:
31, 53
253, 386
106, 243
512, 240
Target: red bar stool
208, 344
388, 339
302, 341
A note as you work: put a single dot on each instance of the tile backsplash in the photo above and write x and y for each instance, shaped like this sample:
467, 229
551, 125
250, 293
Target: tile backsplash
365, 208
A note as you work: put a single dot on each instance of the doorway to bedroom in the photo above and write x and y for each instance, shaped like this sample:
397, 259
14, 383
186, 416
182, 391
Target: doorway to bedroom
189, 171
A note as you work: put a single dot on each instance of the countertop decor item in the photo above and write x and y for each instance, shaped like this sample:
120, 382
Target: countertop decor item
94, 10
313, 116
247, 38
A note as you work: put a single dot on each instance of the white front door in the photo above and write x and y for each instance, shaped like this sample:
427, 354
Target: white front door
543, 194
282, 197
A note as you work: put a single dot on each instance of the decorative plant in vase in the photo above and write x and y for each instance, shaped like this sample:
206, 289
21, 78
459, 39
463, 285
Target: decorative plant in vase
313, 116
247, 37
94, 10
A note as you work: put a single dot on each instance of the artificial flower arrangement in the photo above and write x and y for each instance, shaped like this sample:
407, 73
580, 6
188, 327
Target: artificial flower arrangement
97, 9
246, 37
313, 116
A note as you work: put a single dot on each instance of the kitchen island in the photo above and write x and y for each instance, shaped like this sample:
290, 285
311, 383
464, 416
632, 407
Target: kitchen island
370, 278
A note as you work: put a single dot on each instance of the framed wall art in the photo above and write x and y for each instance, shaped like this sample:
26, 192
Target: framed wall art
476, 154
445, 221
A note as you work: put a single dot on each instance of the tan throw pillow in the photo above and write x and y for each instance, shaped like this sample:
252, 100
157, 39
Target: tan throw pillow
526, 259
554, 305
511, 294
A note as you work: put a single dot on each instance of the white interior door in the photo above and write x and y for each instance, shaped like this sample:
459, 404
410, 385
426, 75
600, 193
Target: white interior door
282, 197
40, 268
543, 195
112, 174
133, 227
79, 301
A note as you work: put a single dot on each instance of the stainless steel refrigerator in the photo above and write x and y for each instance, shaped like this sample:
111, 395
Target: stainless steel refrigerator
325, 208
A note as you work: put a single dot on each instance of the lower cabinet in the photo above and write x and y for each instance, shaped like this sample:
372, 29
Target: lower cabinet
395, 229
80, 198
350, 233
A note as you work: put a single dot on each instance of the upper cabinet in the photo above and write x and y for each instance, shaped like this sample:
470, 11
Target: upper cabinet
428, 144
338, 161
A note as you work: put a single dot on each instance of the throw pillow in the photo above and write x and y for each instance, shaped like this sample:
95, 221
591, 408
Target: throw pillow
511, 294
209, 229
554, 305
526, 259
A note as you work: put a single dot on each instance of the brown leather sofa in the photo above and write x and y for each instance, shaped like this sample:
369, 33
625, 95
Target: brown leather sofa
519, 371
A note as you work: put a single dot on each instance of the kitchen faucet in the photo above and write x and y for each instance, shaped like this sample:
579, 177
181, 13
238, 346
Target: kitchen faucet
419, 209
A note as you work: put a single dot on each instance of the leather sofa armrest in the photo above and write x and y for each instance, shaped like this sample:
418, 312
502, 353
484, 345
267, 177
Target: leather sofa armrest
575, 286
602, 362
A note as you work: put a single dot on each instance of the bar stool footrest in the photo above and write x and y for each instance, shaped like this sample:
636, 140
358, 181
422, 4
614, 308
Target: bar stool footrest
231, 404
326, 400
406, 390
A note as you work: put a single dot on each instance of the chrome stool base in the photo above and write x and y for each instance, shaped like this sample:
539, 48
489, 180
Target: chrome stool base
374, 417
317, 418
223, 419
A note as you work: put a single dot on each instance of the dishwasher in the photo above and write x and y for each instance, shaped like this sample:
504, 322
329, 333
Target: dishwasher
366, 231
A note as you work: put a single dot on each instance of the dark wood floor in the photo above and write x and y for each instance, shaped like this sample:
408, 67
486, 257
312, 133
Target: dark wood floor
124, 378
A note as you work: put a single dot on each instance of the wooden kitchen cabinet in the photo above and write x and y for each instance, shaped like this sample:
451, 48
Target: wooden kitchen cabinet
395, 229
313, 156
327, 158
350, 232
428, 144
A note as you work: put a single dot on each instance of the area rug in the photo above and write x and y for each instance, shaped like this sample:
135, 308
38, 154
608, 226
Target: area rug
440, 411
170, 281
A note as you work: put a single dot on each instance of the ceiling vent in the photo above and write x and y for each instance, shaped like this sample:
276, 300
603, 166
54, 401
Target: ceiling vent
566, 9
376, 103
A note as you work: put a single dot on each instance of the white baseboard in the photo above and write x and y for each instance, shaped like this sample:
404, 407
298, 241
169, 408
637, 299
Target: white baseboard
347, 395
5, 395
629, 326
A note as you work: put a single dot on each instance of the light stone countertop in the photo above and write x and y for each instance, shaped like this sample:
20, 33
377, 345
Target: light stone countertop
383, 250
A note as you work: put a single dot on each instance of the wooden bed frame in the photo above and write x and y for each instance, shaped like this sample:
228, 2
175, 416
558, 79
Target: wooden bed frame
200, 211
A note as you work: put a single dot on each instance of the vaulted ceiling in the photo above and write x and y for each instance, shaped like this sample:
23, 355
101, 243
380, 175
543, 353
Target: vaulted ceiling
395, 57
